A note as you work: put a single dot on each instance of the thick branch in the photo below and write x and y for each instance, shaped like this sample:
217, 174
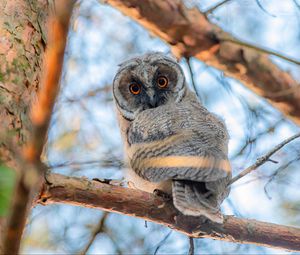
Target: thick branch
93, 194
191, 34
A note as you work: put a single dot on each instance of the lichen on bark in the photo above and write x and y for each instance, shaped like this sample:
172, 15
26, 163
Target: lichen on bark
22, 44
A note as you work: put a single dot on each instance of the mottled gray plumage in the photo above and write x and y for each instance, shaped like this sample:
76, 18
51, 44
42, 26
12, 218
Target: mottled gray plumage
172, 142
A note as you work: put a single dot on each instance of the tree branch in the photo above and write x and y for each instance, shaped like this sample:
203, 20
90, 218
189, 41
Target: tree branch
263, 159
188, 61
212, 9
190, 34
99, 229
93, 194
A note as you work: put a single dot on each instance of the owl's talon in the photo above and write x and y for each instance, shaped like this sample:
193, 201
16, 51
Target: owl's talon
131, 185
165, 196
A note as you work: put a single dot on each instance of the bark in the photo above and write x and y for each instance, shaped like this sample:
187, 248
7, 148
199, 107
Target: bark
93, 194
22, 44
31, 169
190, 33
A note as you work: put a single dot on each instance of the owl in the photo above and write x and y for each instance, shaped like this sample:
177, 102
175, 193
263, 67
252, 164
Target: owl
173, 144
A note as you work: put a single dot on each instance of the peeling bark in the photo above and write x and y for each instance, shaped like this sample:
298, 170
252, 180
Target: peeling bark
189, 33
136, 203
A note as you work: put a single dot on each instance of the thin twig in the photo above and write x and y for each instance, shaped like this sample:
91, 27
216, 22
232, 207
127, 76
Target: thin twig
90, 94
99, 229
260, 49
296, 3
192, 248
162, 242
262, 159
192, 76
111, 236
264, 9
284, 92
212, 9
252, 140
109, 162
275, 174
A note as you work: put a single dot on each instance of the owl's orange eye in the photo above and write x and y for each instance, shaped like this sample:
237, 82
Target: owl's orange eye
162, 82
135, 88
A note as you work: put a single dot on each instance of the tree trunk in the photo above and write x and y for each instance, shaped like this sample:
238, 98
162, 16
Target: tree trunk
22, 44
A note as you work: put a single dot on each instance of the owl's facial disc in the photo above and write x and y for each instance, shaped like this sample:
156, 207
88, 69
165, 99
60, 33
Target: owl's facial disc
148, 82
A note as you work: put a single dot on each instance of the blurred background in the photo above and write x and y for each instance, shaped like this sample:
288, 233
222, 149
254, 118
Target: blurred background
84, 138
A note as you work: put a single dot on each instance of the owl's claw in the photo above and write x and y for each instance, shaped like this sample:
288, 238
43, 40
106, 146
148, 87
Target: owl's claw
131, 185
165, 196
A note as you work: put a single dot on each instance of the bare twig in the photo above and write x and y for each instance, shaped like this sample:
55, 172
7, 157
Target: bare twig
260, 49
212, 9
111, 236
285, 92
297, 4
192, 248
264, 9
92, 194
263, 159
31, 167
90, 94
162, 242
252, 140
99, 229
192, 76
276, 172
108, 162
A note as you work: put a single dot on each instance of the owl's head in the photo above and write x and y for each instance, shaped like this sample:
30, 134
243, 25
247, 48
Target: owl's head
146, 82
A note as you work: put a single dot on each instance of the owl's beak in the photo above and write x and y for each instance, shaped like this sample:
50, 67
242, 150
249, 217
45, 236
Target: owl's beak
153, 101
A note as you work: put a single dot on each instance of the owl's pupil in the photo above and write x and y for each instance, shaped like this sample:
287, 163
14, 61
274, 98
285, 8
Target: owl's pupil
135, 88
162, 82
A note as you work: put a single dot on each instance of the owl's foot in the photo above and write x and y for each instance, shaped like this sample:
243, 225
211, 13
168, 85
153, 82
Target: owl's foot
110, 181
165, 196
131, 185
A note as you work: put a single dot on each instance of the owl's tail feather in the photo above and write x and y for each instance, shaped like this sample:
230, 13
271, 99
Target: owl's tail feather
194, 199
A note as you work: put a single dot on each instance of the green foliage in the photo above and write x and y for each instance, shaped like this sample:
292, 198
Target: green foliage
7, 181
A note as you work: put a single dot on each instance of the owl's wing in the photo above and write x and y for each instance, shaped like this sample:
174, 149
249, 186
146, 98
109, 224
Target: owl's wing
184, 142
